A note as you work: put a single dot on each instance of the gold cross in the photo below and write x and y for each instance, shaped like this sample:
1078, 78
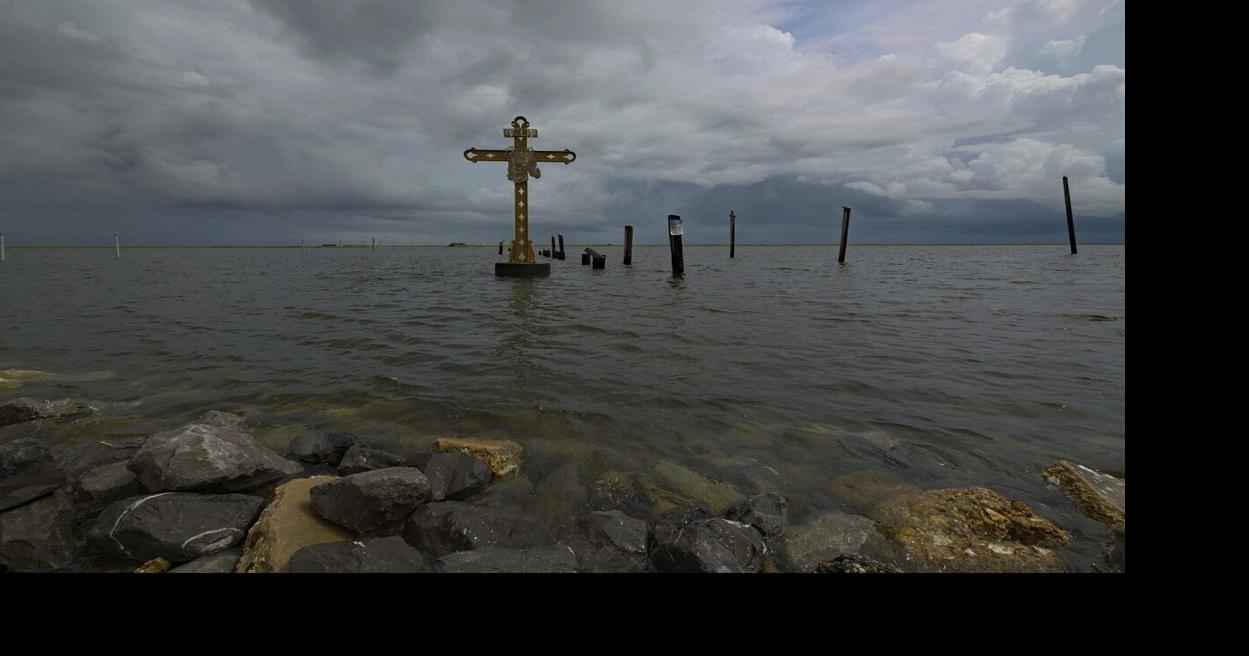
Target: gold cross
522, 162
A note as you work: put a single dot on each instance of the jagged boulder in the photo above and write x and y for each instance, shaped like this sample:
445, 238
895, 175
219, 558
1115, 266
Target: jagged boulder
767, 513
97, 488
21, 410
607, 541
503, 456
27, 471
1101, 496
685, 540
287, 525
552, 559
389, 555
208, 457
371, 500
442, 528
39, 535
175, 525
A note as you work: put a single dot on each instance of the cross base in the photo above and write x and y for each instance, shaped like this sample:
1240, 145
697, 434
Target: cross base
522, 269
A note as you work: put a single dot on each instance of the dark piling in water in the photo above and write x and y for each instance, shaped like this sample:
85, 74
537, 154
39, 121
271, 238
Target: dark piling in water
562, 254
628, 254
675, 232
500, 248
732, 233
845, 232
585, 258
554, 253
600, 260
1071, 224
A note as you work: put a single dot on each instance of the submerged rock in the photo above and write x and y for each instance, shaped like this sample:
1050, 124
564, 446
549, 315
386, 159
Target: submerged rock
767, 513
683, 540
1115, 557
208, 457
449, 526
1101, 496
824, 538
851, 564
21, 410
175, 525
390, 555
503, 456
552, 559
454, 476
971, 530
371, 500
361, 458
27, 471
287, 525
321, 447
607, 541
97, 488
700, 489
221, 562
632, 494
39, 535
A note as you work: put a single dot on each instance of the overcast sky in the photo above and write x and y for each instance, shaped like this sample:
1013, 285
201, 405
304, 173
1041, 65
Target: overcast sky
272, 121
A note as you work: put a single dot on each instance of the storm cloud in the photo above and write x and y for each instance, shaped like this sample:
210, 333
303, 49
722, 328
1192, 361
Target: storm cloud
275, 121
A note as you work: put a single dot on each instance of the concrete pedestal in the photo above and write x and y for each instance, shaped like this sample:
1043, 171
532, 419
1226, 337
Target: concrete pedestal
522, 269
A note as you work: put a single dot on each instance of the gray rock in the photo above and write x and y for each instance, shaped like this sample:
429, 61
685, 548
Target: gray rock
176, 526
219, 419
22, 410
853, 564
361, 458
38, 536
27, 471
665, 528
705, 545
321, 447
824, 538
203, 457
767, 513
1115, 556
94, 490
379, 555
607, 541
371, 500
221, 562
82, 458
454, 476
553, 559
442, 528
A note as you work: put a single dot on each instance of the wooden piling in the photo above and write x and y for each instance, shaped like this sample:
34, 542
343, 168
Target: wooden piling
628, 254
675, 232
554, 253
117, 246
600, 260
732, 233
1, 246
500, 248
1071, 225
845, 233
585, 258
562, 254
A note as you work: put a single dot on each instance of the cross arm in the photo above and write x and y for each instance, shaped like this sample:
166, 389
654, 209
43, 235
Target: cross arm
557, 156
475, 155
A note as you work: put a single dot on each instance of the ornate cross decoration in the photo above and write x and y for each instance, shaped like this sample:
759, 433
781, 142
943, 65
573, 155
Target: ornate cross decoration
522, 162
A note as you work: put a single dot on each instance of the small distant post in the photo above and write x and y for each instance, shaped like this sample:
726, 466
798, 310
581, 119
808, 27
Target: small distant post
302, 247
374, 246
585, 258
500, 248
562, 254
1071, 224
675, 231
117, 246
732, 233
1, 246
554, 253
845, 233
628, 256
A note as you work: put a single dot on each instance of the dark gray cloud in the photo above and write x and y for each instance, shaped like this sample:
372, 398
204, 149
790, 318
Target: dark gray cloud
271, 121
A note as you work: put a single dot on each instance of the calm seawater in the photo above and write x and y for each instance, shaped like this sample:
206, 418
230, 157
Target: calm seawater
929, 366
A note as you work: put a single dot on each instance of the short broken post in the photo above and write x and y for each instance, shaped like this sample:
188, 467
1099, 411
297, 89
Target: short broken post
585, 258
562, 254
500, 248
732, 232
628, 255
675, 231
554, 253
1071, 224
845, 233
600, 260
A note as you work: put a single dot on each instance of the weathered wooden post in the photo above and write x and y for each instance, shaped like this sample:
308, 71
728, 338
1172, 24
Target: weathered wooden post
374, 247
1071, 225
554, 253
675, 231
845, 232
732, 232
500, 248
628, 256
562, 254
585, 258
600, 260
117, 246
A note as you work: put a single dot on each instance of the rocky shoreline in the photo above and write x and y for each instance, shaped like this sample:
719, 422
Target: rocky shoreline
207, 497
